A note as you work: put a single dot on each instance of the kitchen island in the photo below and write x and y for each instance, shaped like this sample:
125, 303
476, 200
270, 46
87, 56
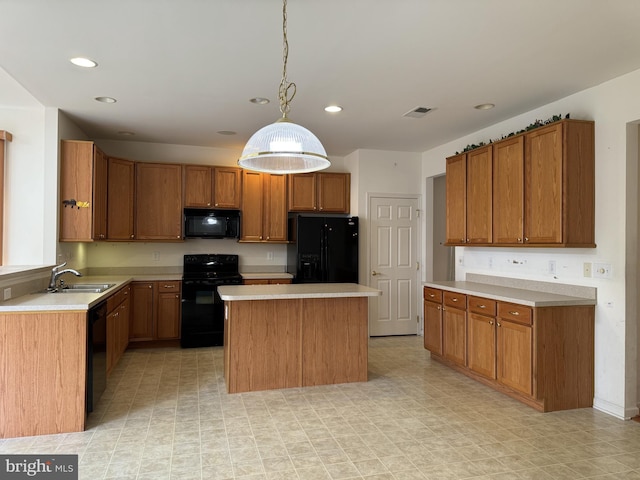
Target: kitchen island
284, 336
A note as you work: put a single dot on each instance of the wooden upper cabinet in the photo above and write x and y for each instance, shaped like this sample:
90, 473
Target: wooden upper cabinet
302, 192
120, 192
560, 185
264, 214
533, 189
252, 205
198, 186
508, 190
479, 195
158, 201
456, 199
211, 187
319, 192
83, 192
334, 192
227, 187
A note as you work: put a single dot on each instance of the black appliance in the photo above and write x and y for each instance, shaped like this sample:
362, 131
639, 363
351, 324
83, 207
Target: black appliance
324, 249
202, 223
202, 307
96, 355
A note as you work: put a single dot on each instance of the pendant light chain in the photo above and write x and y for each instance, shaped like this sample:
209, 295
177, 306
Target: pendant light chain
287, 89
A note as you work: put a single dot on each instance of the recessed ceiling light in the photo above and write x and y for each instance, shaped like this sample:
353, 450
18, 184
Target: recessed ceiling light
83, 62
333, 108
106, 99
226, 132
259, 100
484, 106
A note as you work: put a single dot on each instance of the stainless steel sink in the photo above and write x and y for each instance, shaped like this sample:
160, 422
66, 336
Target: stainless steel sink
85, 288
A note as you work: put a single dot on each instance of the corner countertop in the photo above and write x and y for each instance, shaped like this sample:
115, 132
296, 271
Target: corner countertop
45, 301
520, 296
233, 293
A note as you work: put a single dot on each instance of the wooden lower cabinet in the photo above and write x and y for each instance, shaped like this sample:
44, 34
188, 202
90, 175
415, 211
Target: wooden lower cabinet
454, 328
542, 356
118, 309
433, 320
155, 311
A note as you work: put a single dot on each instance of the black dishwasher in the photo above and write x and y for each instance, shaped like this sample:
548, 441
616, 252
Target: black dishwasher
96, 354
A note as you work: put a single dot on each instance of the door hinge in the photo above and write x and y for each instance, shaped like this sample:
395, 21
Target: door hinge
417, 318
417, 265
417, 212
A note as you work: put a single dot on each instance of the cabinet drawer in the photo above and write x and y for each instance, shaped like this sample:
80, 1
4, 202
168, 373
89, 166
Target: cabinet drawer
483, 306
169, 286
516, 313
117, 298
432, 294
457, 300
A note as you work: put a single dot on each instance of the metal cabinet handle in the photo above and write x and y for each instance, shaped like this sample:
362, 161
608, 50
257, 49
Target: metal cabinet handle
431, 295
514, 313
482, 306
454, 299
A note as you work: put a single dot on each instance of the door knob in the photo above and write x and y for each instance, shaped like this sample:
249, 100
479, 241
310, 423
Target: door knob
374, 273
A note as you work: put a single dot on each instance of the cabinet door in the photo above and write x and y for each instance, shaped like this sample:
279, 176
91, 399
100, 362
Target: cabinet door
275, 208
454, 337
252, 206
158, 201
433, 327
543, 185
99, 195
334, 192
514, 355
508, 191
481, 351
479, 196
227, 187
76, 185
198, 185
302, 192
456, 183
120, 185
141, 319
123, 326
168, 326
112, 339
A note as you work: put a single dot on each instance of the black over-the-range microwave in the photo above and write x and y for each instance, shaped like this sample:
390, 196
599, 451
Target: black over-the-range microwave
203, 223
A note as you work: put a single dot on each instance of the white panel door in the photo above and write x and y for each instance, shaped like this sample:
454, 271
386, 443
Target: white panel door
394, 265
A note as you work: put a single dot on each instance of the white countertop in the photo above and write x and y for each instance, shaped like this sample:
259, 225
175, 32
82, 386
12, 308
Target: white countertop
531, 298
260, 276
300, 290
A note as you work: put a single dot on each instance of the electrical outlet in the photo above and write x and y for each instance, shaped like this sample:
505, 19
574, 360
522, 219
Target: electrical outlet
7, 293
269, 255
602, 270
552, 267
586, 269
461, 261
156, 256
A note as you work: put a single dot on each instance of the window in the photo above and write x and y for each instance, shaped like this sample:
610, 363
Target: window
4, 136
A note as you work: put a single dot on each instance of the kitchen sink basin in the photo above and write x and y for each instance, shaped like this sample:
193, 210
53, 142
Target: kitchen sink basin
85, 288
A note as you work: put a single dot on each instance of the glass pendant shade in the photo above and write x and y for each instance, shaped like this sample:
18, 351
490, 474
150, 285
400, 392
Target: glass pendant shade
284, 147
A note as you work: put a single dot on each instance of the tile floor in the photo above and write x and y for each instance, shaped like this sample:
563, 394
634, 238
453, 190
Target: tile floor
165, 415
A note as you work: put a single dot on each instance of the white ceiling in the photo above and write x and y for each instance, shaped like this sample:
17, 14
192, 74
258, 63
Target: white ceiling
183, 70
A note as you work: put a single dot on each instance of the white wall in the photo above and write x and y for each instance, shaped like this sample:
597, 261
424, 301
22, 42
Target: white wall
24, 118
612, 105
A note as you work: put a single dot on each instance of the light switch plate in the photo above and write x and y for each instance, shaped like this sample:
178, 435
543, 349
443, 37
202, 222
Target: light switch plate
602, 270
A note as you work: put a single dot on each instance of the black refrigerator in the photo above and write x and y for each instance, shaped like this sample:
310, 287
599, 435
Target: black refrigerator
324, 249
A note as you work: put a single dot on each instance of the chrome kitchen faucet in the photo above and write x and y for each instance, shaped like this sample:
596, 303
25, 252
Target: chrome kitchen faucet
55, 275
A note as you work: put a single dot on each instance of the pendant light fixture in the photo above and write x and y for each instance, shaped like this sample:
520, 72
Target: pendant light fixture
284, 146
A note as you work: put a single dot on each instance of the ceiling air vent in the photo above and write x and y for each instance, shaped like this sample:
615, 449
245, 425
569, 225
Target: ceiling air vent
418, 112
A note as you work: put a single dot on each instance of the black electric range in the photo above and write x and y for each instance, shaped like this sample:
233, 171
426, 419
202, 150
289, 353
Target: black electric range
202, 307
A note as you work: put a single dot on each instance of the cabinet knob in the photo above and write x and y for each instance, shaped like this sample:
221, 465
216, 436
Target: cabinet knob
490, 322
519, 240
131, 236
482, 306
467, 241
499, 324
208, 204
526, 239
431, 295
462, 240
514, 313
454, 299
150, 286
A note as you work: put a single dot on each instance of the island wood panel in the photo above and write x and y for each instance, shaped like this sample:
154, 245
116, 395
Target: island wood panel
42, 373
262, 345
334, 340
